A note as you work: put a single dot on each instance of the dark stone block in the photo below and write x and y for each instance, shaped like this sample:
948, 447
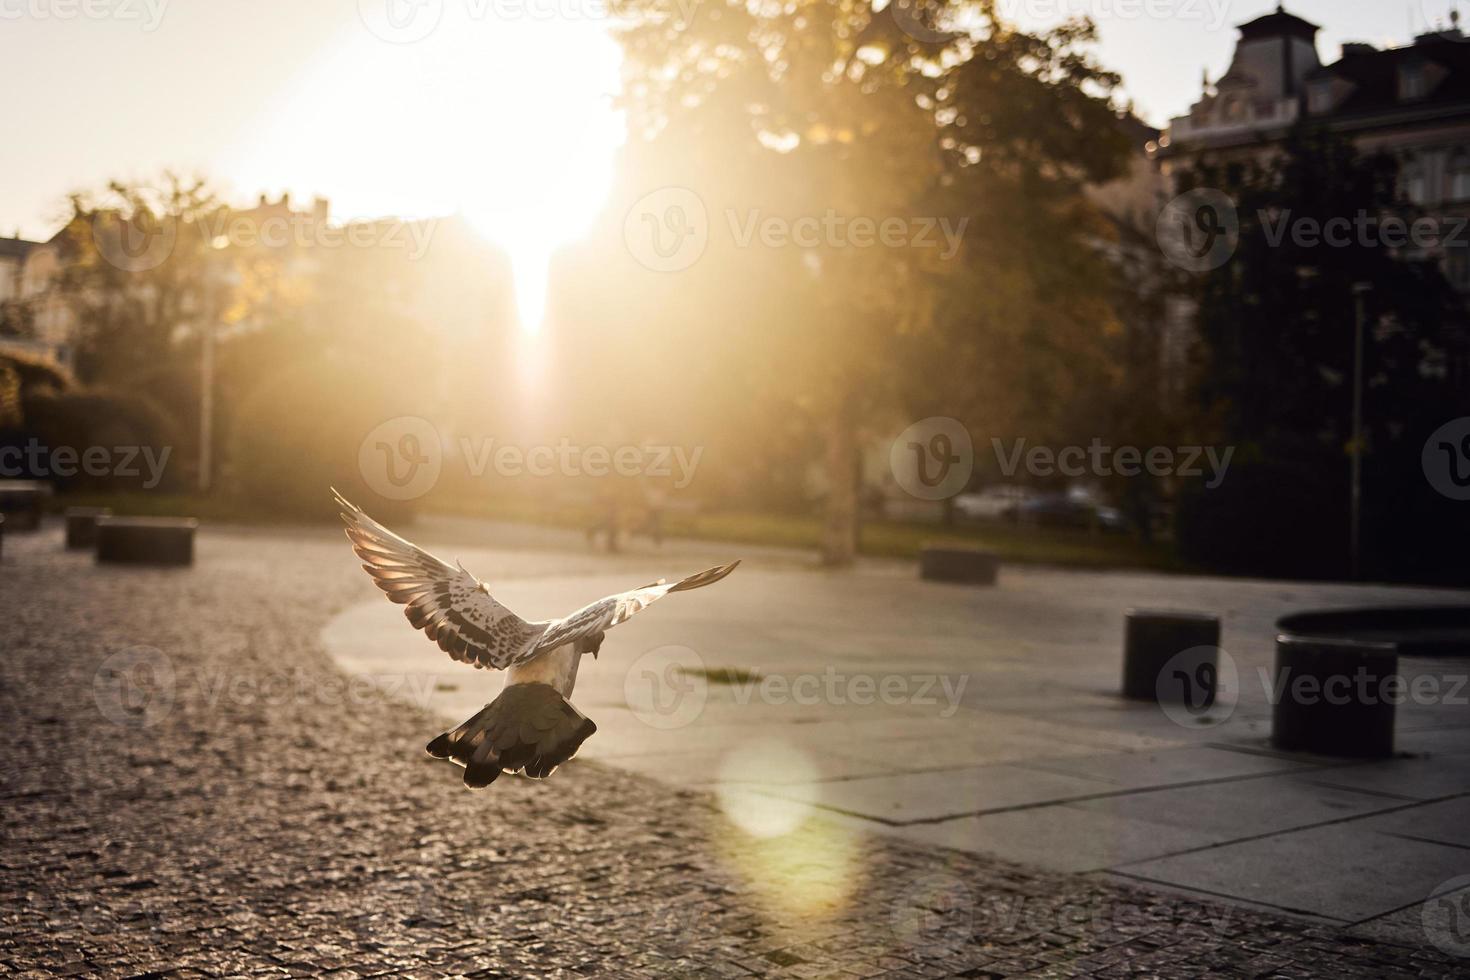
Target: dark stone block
146, 540
1334, 696
81, 526
22, 501
948, 563
1151, 639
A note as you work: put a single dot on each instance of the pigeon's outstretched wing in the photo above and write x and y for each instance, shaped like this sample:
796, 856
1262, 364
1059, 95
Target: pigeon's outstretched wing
450, 605
590, 621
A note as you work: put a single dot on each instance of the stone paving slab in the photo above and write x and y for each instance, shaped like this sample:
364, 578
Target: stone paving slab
1404, 779
1239, 808
933, 796
1058, 838
705, 768
1446, 822
1140, 770
1443, 918
1324, 870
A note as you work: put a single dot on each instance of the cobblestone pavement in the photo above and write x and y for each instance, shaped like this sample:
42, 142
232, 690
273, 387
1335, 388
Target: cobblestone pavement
190, 788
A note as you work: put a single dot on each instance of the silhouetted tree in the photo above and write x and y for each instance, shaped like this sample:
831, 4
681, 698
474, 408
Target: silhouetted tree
817, 108
1276, 343
136, 273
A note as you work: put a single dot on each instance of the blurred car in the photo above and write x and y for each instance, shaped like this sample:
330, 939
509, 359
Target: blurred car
993, 503
1070, 510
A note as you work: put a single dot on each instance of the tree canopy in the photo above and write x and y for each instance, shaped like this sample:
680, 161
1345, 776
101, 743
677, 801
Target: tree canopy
939, 116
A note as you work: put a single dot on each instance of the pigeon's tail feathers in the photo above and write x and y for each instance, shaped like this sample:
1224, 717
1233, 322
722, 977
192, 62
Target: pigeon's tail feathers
529, 727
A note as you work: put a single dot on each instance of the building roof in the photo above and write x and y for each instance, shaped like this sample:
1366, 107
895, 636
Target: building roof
15, 248
1375, 76
1278, 24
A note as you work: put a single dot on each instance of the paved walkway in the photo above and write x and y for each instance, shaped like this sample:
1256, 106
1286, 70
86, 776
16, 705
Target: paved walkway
988, 720
191, 788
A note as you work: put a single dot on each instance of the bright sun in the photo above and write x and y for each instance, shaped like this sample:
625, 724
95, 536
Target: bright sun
508, 122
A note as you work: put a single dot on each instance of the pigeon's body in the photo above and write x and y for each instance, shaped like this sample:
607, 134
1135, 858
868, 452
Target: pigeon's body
556, 668
531, 725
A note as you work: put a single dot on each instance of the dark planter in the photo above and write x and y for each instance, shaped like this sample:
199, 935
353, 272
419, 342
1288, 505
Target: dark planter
969, 566
81, 526
1151, 639
21, 501
146, 540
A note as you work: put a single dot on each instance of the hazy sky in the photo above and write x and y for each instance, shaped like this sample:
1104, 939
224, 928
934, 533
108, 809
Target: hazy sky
307, 95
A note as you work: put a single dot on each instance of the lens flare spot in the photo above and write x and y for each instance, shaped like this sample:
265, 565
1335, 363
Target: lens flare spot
767, 787
800, 864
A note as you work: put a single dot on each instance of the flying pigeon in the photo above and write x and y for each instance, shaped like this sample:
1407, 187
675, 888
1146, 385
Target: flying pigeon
531, 726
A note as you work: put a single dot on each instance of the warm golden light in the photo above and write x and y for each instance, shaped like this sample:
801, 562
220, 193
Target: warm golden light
764, 765
507, 122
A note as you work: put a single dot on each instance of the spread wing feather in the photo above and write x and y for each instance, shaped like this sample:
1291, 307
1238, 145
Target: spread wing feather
606, 613
449, 604
456, 611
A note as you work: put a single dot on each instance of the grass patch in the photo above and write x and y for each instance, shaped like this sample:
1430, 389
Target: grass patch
724, 675
215, 508
883, 539
886, 539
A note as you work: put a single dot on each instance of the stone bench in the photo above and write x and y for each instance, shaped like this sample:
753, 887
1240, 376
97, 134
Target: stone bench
1153, 639
81, 526
1334, 696
146, 540
22, 501
951, 563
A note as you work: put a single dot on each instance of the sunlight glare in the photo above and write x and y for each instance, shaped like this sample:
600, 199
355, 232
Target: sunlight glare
508, 122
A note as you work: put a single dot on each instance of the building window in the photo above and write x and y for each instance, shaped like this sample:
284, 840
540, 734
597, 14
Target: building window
1457, 267
1460, 176
1413, 184
1413, 82
1319, 97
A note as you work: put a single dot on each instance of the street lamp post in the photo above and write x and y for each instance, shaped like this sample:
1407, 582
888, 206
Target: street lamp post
226, 280
1360, 290
206, 405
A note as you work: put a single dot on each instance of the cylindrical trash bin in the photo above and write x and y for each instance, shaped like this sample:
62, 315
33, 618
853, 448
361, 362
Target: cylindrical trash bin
1152, 638
1334, 696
